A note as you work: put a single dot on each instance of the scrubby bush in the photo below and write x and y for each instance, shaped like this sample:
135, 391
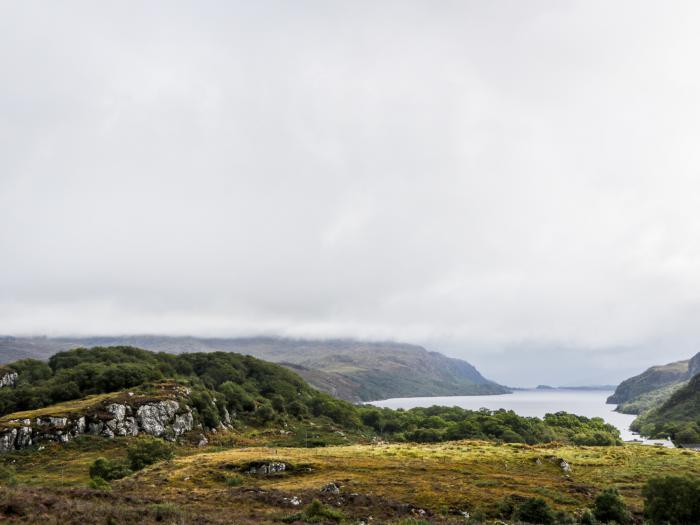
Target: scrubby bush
534, 510
99, 484
234, 481
609, 507
31, 370
265, 413
148, 450
595, 439
673, 500
587, 518
315, 512
108, 470
562, 517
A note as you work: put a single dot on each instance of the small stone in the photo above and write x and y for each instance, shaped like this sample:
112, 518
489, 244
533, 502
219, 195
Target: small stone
331, 488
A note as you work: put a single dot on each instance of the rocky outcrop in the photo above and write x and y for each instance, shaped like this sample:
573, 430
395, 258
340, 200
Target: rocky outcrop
264, 469
8, 378
331, 488
163, 418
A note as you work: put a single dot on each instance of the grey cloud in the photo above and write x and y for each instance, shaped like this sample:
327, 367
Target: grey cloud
476, 176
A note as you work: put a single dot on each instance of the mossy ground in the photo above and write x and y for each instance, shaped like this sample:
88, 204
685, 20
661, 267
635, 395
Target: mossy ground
385, 481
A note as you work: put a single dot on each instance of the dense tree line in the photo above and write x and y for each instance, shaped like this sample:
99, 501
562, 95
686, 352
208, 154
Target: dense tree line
263, 393
435, 424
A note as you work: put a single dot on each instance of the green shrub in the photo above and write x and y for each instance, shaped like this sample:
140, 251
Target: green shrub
7, 475
108, 470
587, 518
234, 481
534, 510
315, 512
610, 507
148, 450
562, 517
673, 500
98, 483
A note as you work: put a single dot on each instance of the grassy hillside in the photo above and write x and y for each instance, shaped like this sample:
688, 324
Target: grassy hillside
351, 370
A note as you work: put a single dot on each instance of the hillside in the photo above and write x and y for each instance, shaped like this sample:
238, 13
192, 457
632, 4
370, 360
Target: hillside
124, 435
654, 386
395, 484
123, 390
677, 417
351, 370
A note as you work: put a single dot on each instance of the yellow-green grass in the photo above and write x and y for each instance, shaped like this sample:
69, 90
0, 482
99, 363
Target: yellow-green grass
66, 408
444, 478
86, 404
56, 465
441, 477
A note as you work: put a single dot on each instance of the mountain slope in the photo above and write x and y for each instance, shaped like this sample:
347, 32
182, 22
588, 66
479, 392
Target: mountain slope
348, 369
654, 386
678, 417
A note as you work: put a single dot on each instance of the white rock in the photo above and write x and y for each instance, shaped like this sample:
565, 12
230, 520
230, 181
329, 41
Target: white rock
7, 440
9, 379
24, 437
152, 418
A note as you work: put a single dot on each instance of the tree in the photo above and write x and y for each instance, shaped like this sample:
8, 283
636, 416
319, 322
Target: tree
673, 500
688, 433
609, 507
32, 370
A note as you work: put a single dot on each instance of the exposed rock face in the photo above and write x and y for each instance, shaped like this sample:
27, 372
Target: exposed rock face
8, 379
267, 468
153, 418
158, 418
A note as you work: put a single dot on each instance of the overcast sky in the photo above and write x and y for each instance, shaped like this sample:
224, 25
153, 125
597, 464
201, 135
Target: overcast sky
513, 182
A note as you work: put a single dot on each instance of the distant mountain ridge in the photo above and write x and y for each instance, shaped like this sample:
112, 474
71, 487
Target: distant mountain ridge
352, 370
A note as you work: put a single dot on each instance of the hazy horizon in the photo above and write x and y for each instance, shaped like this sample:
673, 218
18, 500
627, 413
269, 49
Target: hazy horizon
512, 183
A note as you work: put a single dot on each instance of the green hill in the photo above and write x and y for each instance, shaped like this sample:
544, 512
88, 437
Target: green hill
348, 369
677, 417
654, 386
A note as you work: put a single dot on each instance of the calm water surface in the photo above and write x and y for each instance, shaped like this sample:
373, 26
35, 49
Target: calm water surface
532, 403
